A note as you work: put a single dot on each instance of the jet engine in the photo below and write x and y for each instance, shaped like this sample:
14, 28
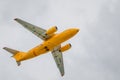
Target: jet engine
65, 48
51, 30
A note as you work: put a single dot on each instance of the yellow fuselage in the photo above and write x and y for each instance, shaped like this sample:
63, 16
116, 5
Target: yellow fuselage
49, 44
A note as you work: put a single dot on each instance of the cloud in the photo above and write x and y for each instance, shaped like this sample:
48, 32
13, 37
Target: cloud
95, 51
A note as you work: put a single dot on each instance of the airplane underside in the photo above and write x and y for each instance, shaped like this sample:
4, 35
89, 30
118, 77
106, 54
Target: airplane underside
52, 42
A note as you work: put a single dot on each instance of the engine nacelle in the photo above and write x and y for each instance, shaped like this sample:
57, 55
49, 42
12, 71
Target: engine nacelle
51, 30
65, 48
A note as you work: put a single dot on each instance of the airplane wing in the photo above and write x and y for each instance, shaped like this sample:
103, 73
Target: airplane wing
57, 54
34, 29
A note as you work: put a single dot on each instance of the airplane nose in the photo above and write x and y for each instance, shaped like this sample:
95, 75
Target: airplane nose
77, 29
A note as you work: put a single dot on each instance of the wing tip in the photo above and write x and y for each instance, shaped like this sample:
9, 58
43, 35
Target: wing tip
16, 19
4, 47
62, 75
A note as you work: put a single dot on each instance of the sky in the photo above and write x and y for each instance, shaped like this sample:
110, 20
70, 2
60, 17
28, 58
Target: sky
95, 53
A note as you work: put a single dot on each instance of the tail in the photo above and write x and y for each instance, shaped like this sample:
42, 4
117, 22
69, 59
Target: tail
16, 54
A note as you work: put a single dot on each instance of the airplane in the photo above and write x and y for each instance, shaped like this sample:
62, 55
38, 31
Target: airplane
51, 42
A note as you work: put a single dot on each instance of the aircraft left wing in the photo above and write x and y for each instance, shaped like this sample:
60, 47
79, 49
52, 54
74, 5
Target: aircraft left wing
57, 54
34, 29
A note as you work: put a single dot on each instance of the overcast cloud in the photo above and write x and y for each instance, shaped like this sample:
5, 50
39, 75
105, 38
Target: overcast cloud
95, 53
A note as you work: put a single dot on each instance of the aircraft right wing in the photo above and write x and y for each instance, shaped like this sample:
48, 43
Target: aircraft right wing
34, 29
57, 54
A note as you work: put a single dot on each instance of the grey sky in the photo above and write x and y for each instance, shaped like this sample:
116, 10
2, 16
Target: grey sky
95, 49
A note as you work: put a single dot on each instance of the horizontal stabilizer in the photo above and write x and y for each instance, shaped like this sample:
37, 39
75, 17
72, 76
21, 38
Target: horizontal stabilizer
12, 51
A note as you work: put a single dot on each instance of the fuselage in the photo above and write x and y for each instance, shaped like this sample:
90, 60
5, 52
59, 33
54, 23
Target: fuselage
51, 43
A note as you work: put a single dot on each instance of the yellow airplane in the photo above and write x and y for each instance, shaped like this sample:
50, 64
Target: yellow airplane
51, 42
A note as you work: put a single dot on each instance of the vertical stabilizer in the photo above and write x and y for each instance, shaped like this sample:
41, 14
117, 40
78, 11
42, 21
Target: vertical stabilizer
15, 54
18, 63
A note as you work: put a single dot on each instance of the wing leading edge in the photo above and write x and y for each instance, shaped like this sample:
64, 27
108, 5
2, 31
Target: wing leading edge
32, 28
57, 54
